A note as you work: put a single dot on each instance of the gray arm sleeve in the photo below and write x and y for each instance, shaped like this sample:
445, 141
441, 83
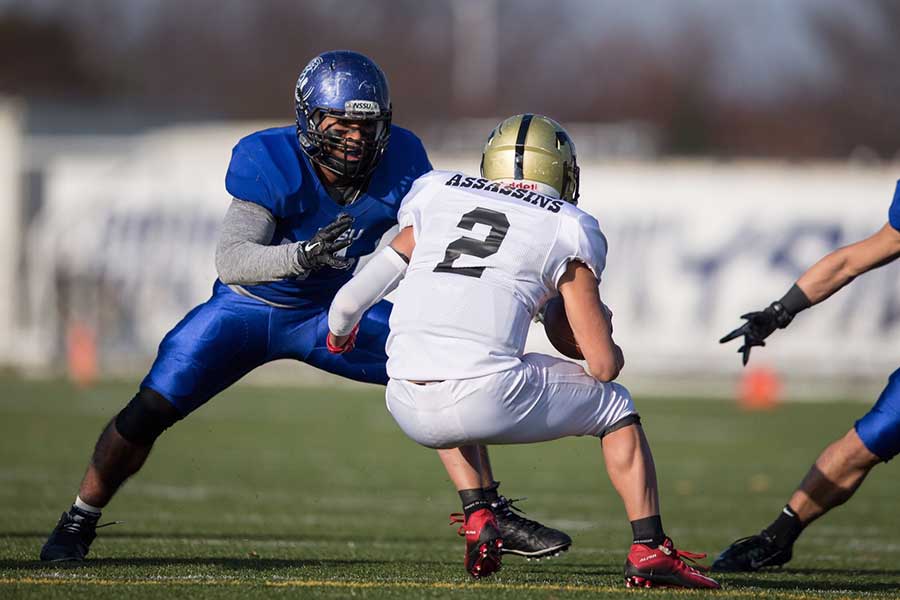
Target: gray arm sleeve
244, 255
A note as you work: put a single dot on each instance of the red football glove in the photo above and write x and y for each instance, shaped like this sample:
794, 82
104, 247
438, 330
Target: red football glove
347, 346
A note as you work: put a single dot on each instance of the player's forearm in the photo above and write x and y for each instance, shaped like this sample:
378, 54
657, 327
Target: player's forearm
375, 281
591, 322
246, 263
840, 267
826, 277
244, 256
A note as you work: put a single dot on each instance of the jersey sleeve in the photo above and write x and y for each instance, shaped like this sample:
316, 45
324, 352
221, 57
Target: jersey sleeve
413, 204
579, 239
894, 210
260, 172
420, 164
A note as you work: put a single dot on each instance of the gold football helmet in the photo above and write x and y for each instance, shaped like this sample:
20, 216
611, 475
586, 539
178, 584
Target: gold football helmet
532, 148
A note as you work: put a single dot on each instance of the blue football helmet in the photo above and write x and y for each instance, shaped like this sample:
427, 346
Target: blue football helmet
350, 87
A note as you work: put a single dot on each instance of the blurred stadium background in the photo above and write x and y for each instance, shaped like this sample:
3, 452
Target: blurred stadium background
724, 146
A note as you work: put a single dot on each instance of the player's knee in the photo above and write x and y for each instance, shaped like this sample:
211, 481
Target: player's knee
146, 417
626, 421
880, 433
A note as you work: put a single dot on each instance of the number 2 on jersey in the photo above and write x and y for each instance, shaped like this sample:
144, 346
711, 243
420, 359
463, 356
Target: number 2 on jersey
499, 225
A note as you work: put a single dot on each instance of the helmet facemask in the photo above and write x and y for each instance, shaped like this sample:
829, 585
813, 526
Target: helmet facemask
350, 88
339, 153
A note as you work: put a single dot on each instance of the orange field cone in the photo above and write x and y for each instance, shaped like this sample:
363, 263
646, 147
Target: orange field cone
760, 389
81, 354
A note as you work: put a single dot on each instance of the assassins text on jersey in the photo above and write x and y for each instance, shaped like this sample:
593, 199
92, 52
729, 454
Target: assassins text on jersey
512, 190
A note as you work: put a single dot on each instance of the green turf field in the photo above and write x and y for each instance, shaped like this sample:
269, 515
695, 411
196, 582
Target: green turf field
316, 493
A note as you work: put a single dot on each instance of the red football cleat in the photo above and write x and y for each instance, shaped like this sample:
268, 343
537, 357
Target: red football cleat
664, 566
483, 542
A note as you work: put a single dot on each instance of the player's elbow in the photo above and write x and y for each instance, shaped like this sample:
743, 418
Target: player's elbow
604, 371
225, 264
342, 314
222, 267
607, 366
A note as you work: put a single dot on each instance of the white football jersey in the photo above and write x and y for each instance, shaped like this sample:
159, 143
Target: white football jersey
488, 256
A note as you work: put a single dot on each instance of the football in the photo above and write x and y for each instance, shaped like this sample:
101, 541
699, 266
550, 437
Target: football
558, 330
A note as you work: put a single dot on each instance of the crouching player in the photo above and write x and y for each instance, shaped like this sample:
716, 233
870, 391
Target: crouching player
478, 258
875, 438
309, 200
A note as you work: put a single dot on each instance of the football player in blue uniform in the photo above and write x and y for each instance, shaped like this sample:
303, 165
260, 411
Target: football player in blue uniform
875, 438
309, 200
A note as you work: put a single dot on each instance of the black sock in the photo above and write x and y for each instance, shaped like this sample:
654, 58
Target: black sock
473, 500
648, 531
491, 494
785, 530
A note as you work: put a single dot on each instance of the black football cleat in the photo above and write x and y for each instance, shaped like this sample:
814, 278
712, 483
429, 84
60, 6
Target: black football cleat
71, 538
752, 554
526, 537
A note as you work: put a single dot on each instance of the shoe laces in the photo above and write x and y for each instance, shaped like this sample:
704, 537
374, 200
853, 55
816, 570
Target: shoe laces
459, 518
505, 507
758, 550
681, 555
78, 526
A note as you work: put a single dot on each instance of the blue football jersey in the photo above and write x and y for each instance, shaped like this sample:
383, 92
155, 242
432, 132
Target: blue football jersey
268, 168
894, 210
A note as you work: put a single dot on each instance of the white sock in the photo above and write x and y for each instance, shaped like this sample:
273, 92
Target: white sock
82, 505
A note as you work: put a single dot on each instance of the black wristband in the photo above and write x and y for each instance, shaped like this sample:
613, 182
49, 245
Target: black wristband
795, 300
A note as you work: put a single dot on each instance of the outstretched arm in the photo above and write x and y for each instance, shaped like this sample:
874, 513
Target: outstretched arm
842, 266
244, 254
378, 278
819, 282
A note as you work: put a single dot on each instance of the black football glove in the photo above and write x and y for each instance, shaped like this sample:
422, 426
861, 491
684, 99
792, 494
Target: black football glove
319, 251
759, 326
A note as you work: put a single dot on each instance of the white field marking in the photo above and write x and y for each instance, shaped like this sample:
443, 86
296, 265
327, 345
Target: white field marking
349, 501
871, 546
171, 492
576, 525
858, 532
77, 577
23, 474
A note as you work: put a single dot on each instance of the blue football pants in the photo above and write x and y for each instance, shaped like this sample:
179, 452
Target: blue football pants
229, 335
879, 429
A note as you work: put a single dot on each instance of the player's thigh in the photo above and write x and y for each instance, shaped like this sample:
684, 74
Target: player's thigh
879, 429
366, 362
216, 344
548, 398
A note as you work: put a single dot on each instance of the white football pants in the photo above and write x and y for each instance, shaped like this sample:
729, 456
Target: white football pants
543, 398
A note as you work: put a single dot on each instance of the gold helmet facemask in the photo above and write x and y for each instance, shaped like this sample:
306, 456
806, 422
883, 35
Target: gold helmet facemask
532, 148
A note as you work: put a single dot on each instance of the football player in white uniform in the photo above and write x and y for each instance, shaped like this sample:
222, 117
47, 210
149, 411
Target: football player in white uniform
479, 257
